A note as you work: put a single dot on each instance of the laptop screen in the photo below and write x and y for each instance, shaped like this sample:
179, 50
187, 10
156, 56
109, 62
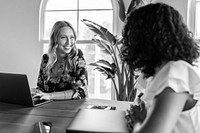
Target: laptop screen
15, 89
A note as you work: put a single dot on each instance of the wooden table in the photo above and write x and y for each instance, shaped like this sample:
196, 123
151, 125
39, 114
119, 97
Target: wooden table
21, 119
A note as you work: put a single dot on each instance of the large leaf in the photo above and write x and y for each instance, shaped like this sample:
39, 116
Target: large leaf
119, 40
134, 5
107, 64
100, 30
104, 46
122, 10
105, 71
108, 72
103, 65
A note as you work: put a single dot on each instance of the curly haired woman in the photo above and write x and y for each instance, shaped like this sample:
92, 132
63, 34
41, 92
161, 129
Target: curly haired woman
158, 44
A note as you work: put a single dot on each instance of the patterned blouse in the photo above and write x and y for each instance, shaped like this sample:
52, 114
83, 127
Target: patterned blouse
61, 79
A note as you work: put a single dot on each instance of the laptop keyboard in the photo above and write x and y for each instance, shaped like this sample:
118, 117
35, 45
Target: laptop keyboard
38, 101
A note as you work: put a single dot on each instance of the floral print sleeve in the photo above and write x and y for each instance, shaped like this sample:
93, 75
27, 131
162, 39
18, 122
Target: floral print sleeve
81, 81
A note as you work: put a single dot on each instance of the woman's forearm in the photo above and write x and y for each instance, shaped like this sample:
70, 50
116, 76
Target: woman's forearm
62, 95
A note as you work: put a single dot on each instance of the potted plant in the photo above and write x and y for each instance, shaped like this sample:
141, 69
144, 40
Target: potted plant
118, 71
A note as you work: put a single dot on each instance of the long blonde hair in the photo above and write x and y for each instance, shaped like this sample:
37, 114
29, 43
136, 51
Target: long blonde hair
71, 57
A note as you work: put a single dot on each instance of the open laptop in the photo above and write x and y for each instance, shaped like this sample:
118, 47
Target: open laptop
98, 121
14, 88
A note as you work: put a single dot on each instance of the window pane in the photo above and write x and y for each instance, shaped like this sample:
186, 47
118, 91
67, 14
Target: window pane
198, 20
52, 17
84, 32
61, 5
95, 4
45, 48
105, 91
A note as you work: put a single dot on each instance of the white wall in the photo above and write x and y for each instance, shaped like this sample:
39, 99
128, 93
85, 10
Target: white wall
180, 5
20, 49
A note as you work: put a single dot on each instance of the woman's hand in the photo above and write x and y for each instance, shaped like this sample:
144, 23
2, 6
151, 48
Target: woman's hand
42, 95
136, 115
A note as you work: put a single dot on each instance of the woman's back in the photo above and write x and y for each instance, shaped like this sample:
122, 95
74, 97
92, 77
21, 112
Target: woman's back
180, 77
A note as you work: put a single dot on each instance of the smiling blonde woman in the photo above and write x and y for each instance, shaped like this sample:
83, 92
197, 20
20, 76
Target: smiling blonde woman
63, 73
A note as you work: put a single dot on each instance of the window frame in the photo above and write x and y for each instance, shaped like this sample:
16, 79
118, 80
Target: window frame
41, 21
195, 31
191, 17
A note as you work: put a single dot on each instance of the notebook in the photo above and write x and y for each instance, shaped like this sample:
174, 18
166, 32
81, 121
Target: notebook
98, 121
14, 88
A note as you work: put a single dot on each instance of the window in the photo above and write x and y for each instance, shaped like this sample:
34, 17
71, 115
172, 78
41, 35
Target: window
193, 20
197, 22
73, 11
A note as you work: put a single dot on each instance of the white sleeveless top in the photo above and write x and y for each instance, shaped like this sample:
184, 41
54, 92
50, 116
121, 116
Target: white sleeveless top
181, 77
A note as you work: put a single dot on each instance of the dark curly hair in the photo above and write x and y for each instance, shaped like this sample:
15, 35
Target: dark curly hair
154, 34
